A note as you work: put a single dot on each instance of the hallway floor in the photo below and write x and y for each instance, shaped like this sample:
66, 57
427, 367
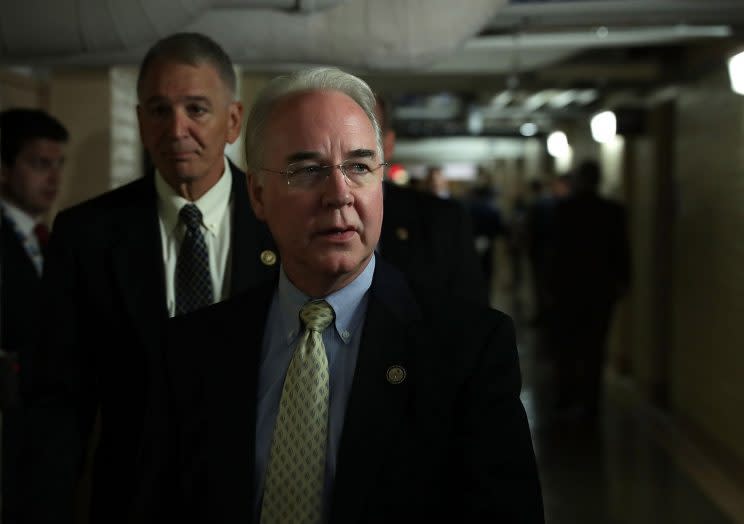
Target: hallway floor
611, 471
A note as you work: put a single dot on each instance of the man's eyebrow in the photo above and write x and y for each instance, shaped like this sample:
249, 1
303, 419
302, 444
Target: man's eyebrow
361, 153
299, 156
186, 99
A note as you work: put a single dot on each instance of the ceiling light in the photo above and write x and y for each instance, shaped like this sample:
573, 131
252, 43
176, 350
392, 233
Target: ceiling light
736, 73
604, 126
558, 144
475, 122
528, 129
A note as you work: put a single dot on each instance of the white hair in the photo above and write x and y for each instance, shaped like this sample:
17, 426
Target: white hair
315, 79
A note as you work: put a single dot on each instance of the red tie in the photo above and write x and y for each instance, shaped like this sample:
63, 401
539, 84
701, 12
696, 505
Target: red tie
42, 234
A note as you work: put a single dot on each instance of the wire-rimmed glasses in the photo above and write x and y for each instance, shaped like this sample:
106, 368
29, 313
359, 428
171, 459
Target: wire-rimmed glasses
304, 175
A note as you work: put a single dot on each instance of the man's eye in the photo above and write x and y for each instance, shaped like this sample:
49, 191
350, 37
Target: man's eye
196, 110
159, 111
309, 171
357, 168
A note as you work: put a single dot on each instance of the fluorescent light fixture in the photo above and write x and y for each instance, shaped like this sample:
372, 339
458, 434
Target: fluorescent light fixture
528, 129
475, 122
558, 144
604, 126
736, 73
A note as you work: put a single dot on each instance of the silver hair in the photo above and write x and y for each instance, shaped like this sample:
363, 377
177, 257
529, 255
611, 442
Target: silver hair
314, 79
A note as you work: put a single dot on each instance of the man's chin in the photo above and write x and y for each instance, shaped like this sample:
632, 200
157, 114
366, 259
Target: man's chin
343, 265
179, 173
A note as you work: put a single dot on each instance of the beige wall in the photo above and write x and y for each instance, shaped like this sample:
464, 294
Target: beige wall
98, 107
679, 325
20, 90
81, 99
707, 361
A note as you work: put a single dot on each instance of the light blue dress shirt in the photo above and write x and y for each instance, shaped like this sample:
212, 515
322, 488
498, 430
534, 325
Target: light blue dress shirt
283, 330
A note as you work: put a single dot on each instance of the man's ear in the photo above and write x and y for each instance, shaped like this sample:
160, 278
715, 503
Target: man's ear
234, 121
255, 192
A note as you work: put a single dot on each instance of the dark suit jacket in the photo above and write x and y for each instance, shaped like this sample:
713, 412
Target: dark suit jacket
590, 262
450, 443
431, 240
20, 286
105, 294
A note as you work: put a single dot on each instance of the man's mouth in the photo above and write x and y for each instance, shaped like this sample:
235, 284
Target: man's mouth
340, 234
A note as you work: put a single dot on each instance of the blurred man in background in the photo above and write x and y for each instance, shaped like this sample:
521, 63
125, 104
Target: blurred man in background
32, 154
430, 239
590, 270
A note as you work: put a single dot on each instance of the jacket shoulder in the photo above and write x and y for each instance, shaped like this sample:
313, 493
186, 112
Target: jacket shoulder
130, 197
420, 201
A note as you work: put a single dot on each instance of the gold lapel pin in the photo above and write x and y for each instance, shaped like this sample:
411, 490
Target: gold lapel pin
268, 257
396, 374
401, 233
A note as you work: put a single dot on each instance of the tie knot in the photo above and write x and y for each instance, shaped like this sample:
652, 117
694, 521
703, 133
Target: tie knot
190, 215
317, 315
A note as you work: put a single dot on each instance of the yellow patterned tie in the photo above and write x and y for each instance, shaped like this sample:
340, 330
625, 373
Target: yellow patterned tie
293, 492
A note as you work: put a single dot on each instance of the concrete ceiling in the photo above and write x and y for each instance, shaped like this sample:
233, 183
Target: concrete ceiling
549, 58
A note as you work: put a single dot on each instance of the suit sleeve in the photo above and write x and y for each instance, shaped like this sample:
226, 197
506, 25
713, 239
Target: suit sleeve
60, 394
498, 470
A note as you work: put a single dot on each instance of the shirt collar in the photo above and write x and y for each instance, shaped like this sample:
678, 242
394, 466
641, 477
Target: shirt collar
24, 223
212, 204
346, 303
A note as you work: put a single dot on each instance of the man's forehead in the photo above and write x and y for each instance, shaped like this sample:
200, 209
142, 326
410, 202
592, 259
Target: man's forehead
313, 99
196, 79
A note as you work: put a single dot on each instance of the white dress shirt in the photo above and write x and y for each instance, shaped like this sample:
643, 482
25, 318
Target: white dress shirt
216, 209
23, 224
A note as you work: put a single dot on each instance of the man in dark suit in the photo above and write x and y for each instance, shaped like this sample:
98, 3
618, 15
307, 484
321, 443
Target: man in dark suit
337, 393
430, 239
117, 271
590, 270
32, 153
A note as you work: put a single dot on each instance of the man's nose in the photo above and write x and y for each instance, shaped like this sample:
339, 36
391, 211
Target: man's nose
179, 123
336, 190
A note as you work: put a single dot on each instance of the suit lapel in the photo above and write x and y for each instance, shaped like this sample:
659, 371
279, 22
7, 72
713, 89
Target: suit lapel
250, 239
401, 236
138, 264
376, 406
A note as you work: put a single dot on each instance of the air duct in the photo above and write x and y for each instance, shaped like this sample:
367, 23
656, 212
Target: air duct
357, 34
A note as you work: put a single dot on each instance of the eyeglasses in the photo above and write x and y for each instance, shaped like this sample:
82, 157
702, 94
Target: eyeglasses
309, 176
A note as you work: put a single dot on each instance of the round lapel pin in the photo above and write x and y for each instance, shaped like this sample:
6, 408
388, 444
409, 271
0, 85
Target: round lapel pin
396, 374
268, 257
